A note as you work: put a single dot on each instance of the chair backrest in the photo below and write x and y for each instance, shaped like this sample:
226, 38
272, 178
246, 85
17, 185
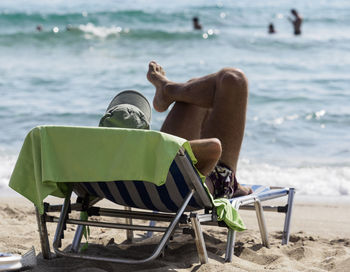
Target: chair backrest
182, 177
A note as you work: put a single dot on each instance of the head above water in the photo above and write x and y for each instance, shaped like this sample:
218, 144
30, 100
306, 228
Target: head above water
294, 12
196, 24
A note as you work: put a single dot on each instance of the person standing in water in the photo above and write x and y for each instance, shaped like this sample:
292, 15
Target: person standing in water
271, 29
196, 24
298, 20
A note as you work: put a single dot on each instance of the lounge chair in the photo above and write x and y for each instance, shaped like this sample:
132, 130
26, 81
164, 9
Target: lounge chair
182, 201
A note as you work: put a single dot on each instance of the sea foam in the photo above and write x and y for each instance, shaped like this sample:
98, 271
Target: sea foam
308, 180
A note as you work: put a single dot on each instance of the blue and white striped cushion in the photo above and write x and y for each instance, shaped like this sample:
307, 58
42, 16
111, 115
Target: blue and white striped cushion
146, 195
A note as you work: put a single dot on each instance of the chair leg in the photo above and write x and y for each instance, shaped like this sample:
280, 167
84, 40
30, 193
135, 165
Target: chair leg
230, 245
286, 228
261, 222
44, 238
61, 225
77, 238
149, 233
201, 249
128, 221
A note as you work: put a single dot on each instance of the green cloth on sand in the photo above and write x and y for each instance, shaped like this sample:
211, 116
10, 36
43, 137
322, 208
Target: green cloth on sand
53, 156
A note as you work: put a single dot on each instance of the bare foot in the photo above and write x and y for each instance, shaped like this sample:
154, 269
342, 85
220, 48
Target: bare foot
242, 191
156, 76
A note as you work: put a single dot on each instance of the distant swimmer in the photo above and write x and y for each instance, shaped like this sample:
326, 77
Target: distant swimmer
196, 24
39, 28
271, 29
296, 22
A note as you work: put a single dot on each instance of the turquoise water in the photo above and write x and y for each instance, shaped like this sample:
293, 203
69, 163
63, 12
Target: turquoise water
298, 120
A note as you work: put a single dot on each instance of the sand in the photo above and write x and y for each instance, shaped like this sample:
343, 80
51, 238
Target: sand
320, 241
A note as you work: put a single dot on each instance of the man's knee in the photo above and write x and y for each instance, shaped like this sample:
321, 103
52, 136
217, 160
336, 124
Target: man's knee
192, 79
233, 77
215, 148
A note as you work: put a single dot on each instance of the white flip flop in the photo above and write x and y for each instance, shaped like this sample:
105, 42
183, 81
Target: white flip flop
9, 261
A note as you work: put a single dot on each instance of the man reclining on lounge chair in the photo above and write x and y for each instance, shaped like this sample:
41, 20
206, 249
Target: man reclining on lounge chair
210, 113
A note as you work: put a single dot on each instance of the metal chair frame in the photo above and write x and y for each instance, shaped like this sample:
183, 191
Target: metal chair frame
189, 223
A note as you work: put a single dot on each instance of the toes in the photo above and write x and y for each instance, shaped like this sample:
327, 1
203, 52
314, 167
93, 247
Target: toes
152, 65
155, 67
160, 69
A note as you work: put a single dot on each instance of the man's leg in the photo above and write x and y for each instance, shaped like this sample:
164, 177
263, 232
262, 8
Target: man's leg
215, 107
185, 120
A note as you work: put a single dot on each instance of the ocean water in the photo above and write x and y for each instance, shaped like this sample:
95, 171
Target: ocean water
298, 120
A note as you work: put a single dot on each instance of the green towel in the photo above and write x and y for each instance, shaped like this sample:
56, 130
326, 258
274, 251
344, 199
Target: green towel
53, 156
228, 214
